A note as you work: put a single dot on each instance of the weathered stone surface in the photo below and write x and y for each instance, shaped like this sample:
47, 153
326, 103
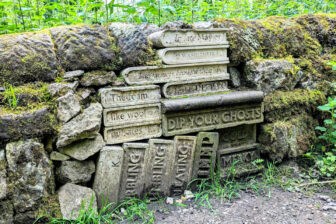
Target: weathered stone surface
205, 154
30, 174
186, 55
60, 89
98, 78
159, 167
6, 212
132, 115
82, 150
84, 125
73, 75
27, 57
108, 175
236, 136
68, 106
72, 197
85, 47
240, 111
203, 25
115, 135
128, 96
189, 37
133, 41
75, 171
197, 87
235, 76
184, 158
28, 125
173, 25
58, 156
133, 171
3, 176
174, 73
271, 75
84, 94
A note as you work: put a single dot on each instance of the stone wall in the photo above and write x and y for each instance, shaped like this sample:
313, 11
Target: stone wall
74, 85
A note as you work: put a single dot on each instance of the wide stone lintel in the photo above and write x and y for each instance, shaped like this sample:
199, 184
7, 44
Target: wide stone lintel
108, 175
133, 170
159, 167
130, 133
139, 114
129, 96
172, 73
196, 87
188, 37
186, 55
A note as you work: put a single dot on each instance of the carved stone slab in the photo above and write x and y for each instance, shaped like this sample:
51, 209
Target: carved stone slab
128, 96
188, 37
120, 134
205, 154
139, 114
108, 175
159, 167
240, 135
186, 55
133, 171
182, 174
172, 73
197, 87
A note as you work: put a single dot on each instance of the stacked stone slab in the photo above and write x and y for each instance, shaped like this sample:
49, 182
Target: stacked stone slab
195, 66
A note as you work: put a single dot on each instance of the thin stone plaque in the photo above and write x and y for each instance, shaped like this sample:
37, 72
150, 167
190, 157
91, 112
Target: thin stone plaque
183, 163
120, 134
197, 87
205, 154
132, 115
173, 73
133, 171
188, 37
186, 55
108, 175
159, 167
240, 135
129, 96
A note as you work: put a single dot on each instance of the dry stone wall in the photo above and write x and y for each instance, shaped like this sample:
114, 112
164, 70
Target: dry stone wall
138, 109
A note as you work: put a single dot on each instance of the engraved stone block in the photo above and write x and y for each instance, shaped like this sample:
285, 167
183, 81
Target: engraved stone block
240, 135
133, 171
159, 167
120, 134
128, 96
108, 175
186, 55
205, 154
183, 164
188, 37
197, 87
132, 115
173, 73
206, 113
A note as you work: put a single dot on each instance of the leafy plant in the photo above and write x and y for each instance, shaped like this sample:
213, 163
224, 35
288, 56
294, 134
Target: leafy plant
10, 96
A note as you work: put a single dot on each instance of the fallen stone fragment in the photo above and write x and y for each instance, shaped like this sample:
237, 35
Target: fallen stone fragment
98, 78
73, 75
75, 171
84, 125
58, 156
169, 201
72, 197
60, 89
82, 150
68, 106
188, 195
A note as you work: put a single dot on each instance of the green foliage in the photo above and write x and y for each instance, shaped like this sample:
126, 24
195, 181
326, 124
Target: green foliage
10, 96
30, 15
333, 65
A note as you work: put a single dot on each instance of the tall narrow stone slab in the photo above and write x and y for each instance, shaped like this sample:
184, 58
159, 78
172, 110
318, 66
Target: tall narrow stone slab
159, 167
183, 164
205, 154
186, 55
174, 73
133, 170
188, 37
139, 114
128, 96
108, 175
121, 134
197, 87
240, 135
